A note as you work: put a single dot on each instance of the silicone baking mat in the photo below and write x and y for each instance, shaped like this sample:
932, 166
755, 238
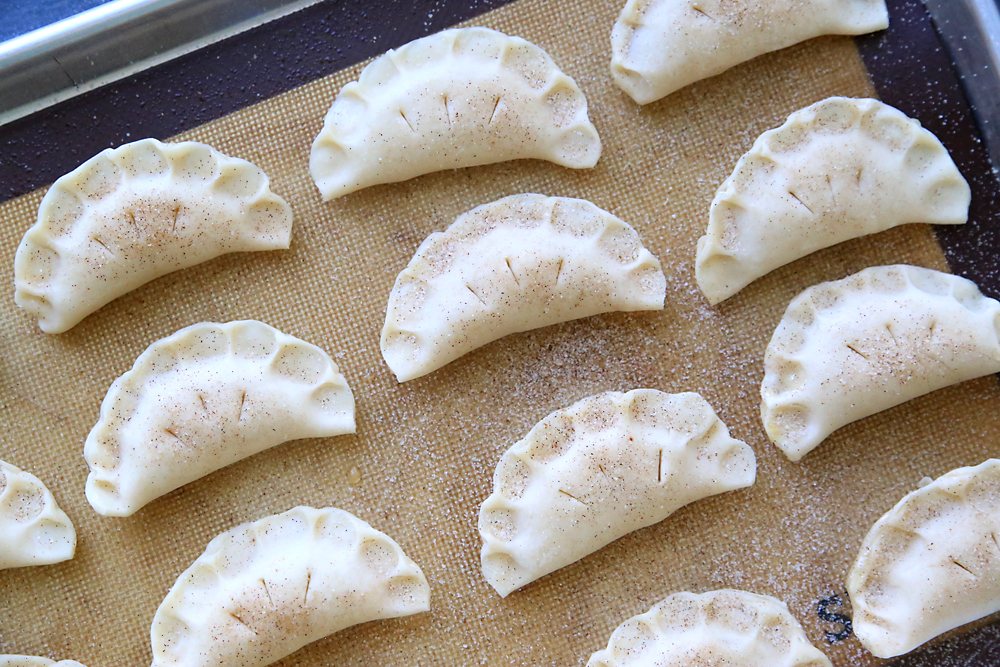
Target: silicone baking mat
425, 451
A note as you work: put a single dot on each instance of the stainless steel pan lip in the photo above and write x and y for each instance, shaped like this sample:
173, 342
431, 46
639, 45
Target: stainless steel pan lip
123, 37
970, 30
32, 155
115, 40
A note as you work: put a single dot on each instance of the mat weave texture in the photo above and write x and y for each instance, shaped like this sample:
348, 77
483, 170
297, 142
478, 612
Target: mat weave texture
426, 450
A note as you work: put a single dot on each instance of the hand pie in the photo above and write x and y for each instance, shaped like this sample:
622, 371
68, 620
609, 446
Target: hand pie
839, 169
932, 563
206, 397
520, 263
720, 628
263, 590
458, 98
847, 349
600, 469
33, 530
660, 46
135, 213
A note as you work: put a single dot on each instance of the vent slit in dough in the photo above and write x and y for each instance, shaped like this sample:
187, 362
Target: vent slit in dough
265, 589
847, 349
595, 471
839, 169
931, 564
660, 46
158, 431
725, 627
459, 98
520, 263
33, 530
135, 213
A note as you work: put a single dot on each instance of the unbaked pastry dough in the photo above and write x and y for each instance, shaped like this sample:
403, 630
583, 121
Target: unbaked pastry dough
932, 563
660, 46
458, 98
34, 661
600, 469
33, 530
836, 170
725, 627
520, 263
135, 213
847, 349
265, 589
206, 397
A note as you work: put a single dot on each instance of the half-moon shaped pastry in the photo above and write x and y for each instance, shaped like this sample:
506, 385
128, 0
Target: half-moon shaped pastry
206, 397
847, 349
836, 170
458, 98
660, 46
932, 563
600, 469
265, 589
135, 213
722, 628
520, 263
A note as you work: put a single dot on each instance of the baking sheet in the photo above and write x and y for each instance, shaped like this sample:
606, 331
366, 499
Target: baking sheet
426, 449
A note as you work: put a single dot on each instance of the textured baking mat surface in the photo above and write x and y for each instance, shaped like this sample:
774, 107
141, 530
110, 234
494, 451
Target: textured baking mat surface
426, 450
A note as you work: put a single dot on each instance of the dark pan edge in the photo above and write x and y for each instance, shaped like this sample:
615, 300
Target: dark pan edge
214, 81
932, 93
324, 38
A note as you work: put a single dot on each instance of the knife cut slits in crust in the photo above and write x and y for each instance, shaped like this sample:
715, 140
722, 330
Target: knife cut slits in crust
203, 398
520, 263
931, 564
265, 589
836, 170
458, 98
135, 213
660, 46
847, 349
605, 466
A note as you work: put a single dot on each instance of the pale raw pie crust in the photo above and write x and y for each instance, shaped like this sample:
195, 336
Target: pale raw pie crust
265, 589
457, 98
836, 170
203, 398
724, 627
135, 213
847, 349
34, 661
660, 46
931, 564
33, 530
597, 470
520, 263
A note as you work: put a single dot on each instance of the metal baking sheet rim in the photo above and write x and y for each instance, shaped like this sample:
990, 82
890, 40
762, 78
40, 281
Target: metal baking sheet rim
41, 47
115, 40
124, 37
